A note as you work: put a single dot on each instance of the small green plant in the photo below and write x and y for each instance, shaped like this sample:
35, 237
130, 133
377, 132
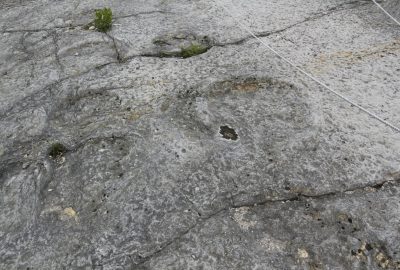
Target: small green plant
57, 150
103, 20
193, 50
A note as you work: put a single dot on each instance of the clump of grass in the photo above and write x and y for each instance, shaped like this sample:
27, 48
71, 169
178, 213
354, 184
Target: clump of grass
193, 50
103, 20
57, 150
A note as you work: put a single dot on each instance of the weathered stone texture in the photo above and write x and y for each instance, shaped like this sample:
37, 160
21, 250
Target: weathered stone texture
230, 159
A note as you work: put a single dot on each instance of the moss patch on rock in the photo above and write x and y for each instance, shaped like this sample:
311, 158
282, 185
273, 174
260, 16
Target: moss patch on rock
193, 50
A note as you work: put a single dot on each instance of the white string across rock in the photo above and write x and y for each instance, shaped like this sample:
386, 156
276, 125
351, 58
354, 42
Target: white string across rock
371, 114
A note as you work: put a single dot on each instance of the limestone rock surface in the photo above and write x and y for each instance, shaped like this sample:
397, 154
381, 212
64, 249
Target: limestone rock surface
118, 153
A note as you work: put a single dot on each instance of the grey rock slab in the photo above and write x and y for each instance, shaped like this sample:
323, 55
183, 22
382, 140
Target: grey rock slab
281, 235
80, 51
166, 158
136, 35
392, 7
351, 54
28, 64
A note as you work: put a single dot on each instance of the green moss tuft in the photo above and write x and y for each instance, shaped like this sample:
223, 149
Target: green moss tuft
192, 50
103, 20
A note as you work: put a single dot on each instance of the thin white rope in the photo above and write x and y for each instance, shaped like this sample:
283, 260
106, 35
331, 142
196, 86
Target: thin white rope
387, 13
373, 115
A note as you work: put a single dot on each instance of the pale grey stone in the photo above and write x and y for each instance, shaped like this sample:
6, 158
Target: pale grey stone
230, 159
